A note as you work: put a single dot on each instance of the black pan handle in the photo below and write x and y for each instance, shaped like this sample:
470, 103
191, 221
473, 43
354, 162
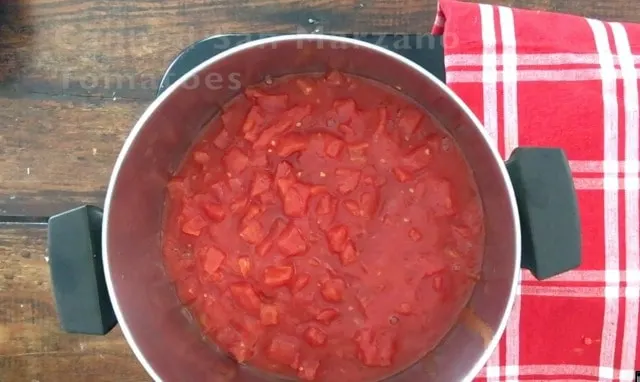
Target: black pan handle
548, 207
75, 262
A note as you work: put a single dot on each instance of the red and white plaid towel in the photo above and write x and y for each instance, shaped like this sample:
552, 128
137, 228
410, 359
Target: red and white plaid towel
544, 79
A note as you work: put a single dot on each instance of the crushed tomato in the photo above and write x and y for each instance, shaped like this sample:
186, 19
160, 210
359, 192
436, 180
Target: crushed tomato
324, 228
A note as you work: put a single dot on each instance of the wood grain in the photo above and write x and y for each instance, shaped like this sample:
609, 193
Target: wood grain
59, 154
32, 347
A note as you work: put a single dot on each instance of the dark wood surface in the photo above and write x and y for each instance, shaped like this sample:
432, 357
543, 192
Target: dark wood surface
74, 76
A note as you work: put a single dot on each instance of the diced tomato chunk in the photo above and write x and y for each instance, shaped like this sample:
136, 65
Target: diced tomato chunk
439, 196
261, 183
194, 225
346, 130
269, 102
252, 232
325, 211
369, 204
300, 282
266, 244
283, 350
238, 204
223, 139
259, 159
382, 120
283, 170
215, 212
217, 277
283, 185
349, 254
270, 133
375, 349
277, 227
305, 85
317, 189
267, 198
244, 265
337, 238
380, 181
253, 212
235, 161
352, 206
308, 369
251, 121
237, 187
291, 143
333, 290
278, 275
180, 268
358, 152
268, 315
315, 337
201, 157
386, 343
290, 242
241, 352
332, 146
245, 296
402, 175
176, 188
296, 200
366, 347
288, 119
221, 191
327, 316
171, 248
404, 308
227, 336
334, 78
297, 113
188, 289
414, 234
263, 248
251, 124
345, 108
408, 121
212, 259
325, 205
248, 326
347, 179
417, 159
273, 102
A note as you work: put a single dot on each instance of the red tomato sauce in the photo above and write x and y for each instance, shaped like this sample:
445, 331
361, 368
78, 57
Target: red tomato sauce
324, 227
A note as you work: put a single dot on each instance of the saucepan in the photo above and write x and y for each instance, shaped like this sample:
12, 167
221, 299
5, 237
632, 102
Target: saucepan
529, 202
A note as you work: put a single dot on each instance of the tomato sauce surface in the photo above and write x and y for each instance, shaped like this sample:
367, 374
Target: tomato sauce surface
324, 228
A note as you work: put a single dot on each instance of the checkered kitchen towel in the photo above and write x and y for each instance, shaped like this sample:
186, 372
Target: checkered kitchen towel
545, 79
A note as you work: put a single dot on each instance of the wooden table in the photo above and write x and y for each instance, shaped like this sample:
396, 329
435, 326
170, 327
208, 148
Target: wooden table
74, 76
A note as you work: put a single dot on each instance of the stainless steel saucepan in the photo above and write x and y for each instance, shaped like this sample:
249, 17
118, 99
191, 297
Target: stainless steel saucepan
529, 202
